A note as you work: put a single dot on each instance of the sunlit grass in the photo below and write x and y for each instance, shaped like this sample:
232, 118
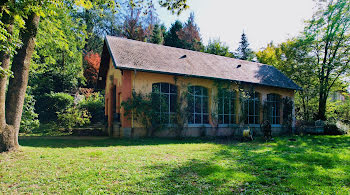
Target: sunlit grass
309, 165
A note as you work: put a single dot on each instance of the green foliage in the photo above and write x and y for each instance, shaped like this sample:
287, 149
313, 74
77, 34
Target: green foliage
334, 127
51, 104
29, 119
287, 105
73, 117
95, 105
172, 38
190, 35
291, 58
218, 48
243, 51
144, 108
157, 36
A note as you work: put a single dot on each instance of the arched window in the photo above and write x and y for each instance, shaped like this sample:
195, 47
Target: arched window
274, 108
251, 107
165, 97
227, 107
198, 105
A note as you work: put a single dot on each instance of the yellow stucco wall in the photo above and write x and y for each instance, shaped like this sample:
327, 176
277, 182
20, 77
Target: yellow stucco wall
142, 82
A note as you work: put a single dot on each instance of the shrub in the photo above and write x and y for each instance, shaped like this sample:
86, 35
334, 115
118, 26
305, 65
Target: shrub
94, 104
29, 119
335, 128
72, 117
51, 104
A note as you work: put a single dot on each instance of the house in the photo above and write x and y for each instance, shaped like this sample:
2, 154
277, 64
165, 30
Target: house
222, 94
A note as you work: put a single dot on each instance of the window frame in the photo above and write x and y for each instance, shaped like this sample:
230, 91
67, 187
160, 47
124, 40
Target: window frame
274, 99
253, 100
192, 111
169, 95
231, 97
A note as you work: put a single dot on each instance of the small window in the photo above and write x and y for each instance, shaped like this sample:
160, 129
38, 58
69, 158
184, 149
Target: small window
165, 97
227, 107
251, 108
274, 108
198, 105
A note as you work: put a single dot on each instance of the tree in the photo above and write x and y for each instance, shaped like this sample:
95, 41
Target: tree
330, 47
292, 58
157, 35
172, 38
91, 72
243, 51
190, 35
218, 48
31, 11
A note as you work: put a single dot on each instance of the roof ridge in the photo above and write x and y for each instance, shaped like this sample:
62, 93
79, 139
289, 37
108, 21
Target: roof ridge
197, 52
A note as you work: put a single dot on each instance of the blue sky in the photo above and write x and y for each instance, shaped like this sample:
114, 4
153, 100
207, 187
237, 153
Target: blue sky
262, 20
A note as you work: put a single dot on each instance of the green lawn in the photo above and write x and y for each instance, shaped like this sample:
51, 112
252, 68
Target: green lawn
309, 165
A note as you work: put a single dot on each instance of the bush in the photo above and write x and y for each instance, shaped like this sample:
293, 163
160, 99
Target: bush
72, 117
51, 104
94, 104
29, 119
335, 128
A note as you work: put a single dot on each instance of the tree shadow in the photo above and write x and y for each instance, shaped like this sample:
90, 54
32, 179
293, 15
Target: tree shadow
77, 142
284, 166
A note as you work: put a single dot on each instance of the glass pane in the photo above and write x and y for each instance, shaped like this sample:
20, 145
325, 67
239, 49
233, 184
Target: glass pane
190, 104
257, 106
233, 119
165, 103
221, 117
257, 120
205, 105
198, 119
173, 102
220, 106
226, 119
278, 120
164, 87
197, 90
226, 106
205, 91
198, 105
251, 120
173, 89
190, 119
205, 119
156, 101
251, 108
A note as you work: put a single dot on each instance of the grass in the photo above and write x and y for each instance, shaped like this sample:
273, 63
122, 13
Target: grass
309, 165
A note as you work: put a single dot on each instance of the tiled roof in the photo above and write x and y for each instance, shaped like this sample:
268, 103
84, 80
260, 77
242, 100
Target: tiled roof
141, 56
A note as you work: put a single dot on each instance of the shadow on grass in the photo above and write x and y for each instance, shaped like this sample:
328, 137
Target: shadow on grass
76, 142
308, 165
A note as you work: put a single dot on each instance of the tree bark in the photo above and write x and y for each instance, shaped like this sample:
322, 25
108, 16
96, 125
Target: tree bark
18, 84
6, 133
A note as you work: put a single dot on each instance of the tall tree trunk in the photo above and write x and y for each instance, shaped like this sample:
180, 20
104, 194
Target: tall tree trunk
18, 84
6, 135
322, 104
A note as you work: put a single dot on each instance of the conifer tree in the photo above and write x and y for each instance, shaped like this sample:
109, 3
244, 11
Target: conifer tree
244, 52
157, 35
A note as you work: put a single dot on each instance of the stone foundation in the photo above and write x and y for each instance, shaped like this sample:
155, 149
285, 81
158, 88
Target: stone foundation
234, 131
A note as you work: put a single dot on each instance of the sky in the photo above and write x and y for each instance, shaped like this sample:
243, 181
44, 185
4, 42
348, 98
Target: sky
262, 20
